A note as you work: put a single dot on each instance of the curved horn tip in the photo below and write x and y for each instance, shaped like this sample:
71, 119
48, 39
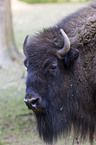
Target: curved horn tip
62, 31
26, 39
66, 47
24, 44
65, 36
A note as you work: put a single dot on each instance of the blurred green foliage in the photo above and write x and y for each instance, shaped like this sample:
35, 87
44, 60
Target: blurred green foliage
39, 1
52, 1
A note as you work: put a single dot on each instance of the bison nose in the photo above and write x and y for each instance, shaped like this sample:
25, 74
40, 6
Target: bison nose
32, 102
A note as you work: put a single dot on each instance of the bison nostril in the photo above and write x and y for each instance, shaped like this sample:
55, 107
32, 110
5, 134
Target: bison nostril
33, 101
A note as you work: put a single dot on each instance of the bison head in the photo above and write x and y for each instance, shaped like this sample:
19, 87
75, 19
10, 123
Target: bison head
49, 85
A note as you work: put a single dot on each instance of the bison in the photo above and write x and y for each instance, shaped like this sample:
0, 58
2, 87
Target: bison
61, 80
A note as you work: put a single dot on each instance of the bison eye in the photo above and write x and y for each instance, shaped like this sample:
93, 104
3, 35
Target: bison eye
50, 65
53, 66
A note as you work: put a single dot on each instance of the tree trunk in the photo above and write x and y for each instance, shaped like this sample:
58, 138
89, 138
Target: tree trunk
8, 51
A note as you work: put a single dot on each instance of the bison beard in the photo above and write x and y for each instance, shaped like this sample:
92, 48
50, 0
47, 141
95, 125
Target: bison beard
51, 124
54, 122
61, 80
61, 116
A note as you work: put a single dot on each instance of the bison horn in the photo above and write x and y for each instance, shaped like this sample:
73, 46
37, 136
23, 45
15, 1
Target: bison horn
24, 44
66, 47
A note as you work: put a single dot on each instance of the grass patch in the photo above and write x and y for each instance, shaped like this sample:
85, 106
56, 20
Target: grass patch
39, 1
17, 123
52, 1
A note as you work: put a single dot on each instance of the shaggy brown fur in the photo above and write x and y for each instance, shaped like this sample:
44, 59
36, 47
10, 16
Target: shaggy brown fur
67, 87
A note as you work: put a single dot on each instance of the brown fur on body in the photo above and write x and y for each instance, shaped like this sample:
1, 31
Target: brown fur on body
69, 91
81, 29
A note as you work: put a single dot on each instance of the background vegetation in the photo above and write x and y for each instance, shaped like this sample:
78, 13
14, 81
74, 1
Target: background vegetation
53, 1
17, 123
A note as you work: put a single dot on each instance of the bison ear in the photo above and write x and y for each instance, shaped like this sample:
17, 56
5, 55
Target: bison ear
70, 57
